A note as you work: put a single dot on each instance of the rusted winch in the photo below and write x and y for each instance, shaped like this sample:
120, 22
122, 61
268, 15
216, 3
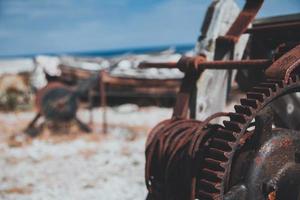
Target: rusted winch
246, 158
243, 159
58, 103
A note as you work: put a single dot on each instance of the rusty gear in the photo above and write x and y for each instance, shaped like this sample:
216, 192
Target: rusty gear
188, 159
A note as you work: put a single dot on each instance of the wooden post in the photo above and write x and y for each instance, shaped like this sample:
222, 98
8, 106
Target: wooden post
103, 101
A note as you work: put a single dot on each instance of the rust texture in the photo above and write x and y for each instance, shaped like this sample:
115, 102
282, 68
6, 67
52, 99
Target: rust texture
191, 159
285, 65
188, 62
188, 159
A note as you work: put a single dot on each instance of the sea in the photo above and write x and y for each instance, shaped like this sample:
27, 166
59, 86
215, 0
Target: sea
109, 53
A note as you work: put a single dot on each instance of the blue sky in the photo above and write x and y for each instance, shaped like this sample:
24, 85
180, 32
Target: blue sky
37, 26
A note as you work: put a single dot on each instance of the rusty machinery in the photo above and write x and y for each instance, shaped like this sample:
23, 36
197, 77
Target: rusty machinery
118, 90
115, 90
58, 103
246, 158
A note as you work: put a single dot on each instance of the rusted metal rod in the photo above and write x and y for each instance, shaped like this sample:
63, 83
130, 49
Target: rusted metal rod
243, 64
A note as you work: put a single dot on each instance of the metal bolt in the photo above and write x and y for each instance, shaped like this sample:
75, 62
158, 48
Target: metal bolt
290, 108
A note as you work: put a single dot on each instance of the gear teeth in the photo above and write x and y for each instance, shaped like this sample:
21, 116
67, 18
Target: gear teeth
232, 125
227, 135
250, 102
237, 117
277, 81
218, 154
266, 91
210, 186
222, 147
221, 144
272, 86
243, 110
258, 96
214, 164
212, 175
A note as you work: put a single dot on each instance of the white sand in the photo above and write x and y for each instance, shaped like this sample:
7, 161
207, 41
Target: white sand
87, 167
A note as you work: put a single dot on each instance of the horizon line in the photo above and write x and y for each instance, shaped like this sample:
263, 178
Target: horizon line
107, 52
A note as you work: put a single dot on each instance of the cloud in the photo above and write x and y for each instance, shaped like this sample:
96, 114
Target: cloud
72, 25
